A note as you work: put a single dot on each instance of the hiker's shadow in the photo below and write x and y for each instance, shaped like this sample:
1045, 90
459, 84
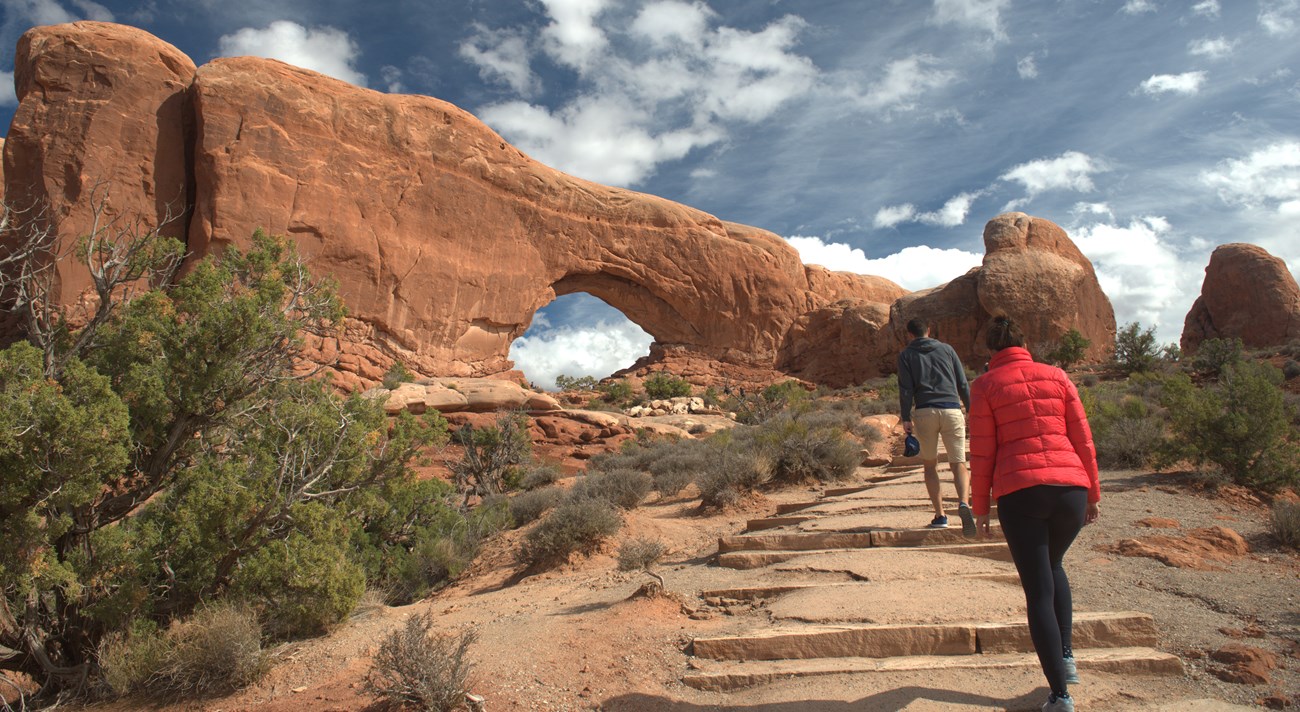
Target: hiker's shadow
886, 701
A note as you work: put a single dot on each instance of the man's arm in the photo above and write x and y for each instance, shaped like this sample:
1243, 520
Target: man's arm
904, 390
959, 375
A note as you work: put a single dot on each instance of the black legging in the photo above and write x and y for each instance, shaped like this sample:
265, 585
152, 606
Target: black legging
1040, 523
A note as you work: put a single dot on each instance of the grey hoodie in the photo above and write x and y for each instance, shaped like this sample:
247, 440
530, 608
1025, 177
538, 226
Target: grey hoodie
929, 372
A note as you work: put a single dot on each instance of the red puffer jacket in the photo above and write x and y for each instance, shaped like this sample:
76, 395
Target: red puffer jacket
1027, 427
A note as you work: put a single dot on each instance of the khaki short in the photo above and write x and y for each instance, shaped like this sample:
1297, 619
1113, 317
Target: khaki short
929, 424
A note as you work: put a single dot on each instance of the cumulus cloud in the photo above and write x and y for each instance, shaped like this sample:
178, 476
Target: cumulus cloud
501, 55
1267, 178
26, 13
1137, 7
1186, 83
913, 268
904, 81
982, 15
8, 95
952, 214
1071, 170
675, 88
1278, 17
1027, 67
1206, 8
392, 77
1143, 274
1216, 48
323, 49
596, 351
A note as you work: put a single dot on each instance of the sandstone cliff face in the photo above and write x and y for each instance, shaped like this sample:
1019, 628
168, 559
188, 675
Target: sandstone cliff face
1247, 294
445, 240
102, 113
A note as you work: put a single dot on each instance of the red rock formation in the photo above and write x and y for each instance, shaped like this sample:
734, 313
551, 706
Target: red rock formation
103, 116
1031, 272
1247, 294
445, 240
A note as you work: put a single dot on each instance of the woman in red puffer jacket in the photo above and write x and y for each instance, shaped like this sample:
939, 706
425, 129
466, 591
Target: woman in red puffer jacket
1031, 448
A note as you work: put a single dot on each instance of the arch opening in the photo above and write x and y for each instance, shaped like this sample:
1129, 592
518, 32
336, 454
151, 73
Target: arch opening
576, 335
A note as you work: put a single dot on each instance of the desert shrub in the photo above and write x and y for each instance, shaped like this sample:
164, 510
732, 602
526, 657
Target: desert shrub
623, 488
1127, 429
1284, 523
527, 507
417, 666
711, 397
755, 408
578, 383
616, 393
1214, 354
1091, 380
538, 474
640, 554
1069, 350
576, 526
886, 388
1291, 369
494, 456
807, 447
1292, 349
396, 375
217, 650
677, 468
1240, 424
733, 468
662, 384
1136, 349
877, 406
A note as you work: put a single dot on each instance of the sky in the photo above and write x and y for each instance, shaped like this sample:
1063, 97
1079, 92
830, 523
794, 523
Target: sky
876, 136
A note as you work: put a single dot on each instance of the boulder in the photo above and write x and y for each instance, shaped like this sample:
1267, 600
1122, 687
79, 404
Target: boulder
103, 121
456, 395
1200, 549
1033, 273
1247, 294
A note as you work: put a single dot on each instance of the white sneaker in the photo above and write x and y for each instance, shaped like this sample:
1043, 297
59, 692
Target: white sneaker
1071, 672
1058, 704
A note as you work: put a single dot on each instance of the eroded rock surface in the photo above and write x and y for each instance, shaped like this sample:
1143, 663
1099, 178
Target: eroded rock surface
1247, 294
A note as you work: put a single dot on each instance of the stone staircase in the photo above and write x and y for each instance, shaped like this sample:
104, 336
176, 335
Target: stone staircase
851, 583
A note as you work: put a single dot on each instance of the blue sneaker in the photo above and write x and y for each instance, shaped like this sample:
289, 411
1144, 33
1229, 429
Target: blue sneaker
1071, 672
967, 520
939, 522
1063, 703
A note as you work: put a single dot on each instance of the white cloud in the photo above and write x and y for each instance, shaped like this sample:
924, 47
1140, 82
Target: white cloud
1268, 178
913, 268
1216, 48
392, 77
322, 49
52, 12
904, 81
952, 214
1071, 170
1278, 17
1027, 67
1137, 7
8, 94
94, 11
1206, 8
978, 14
892, 215
502, 55
1186, 83
579, 351
1083, 208
676, 88
1141, 272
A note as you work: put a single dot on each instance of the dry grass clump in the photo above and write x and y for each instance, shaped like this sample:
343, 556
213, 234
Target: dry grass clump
527, 507
640, 554
417, 666
578, 525
1285, 523
622, 487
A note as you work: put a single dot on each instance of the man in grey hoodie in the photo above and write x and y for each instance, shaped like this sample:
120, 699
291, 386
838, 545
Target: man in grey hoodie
932, 390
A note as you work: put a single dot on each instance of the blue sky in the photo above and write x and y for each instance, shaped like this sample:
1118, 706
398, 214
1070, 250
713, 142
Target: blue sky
877, 136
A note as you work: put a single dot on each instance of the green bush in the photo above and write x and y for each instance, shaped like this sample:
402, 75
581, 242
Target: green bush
216, 651
1284, 523
811, 447
538, 474
1240, 424
494, 457
1128, 430
662, 384
616, 393
640, 554
419, 667
623, 488
755, 408
1214, 354
396, 375
577, 526
1069, 350
734, 468
1136, 350
527, 507
579, 383
1291, 369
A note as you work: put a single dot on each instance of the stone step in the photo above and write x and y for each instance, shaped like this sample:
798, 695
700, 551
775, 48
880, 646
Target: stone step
755, 525
867, 484
857, 538
732, 676
1091, 630
754, 593
745, 559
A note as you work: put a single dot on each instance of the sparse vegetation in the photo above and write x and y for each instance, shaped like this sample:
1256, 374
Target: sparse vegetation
493, 458
1215, 354
527, 507
1069, 350
640, 554
415, 665
1128, 428
1284, 522
575, 383
662, 384
396, 375
578, 525
624, 488
614, 394
1136, 350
